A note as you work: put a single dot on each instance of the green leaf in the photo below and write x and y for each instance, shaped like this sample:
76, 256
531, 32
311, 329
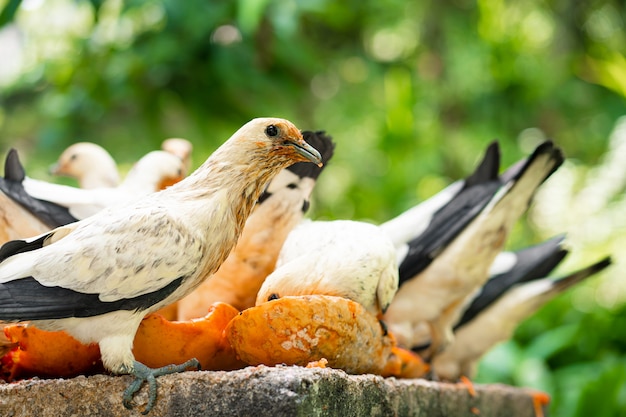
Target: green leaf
8, 12
599, 397
250, 13
549, 343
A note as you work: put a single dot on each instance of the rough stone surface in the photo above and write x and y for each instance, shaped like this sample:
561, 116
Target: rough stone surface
263, 391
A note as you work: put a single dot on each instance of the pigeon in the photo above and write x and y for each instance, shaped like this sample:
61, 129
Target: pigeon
498, 321
93, 167
99, 277
349, 253
342, 258
154, 171
441, 285
90, 164
281, 206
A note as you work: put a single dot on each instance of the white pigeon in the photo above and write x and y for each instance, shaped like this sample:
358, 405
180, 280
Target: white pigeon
350, 253
97, 278
343, 258
149, 174
90, 164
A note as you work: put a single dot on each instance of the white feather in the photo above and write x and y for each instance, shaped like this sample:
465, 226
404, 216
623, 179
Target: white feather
344, 258
143, 178
414, 221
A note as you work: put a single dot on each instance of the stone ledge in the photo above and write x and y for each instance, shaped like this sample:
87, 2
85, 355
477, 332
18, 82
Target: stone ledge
264, 391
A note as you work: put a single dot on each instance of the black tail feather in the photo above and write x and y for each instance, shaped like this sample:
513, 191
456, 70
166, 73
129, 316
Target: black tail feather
532, 263
324, 145
451, 219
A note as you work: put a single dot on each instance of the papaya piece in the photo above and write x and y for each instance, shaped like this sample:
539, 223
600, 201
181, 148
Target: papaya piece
170, 312
5, 343
317, 364
405, 364
46, 354
160, 342
298, 330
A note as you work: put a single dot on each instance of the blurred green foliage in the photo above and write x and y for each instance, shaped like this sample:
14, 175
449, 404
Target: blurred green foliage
412, 92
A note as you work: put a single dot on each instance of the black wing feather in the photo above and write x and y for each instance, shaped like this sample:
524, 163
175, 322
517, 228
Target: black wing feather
488, 168
51, 214
13, 247
26, 299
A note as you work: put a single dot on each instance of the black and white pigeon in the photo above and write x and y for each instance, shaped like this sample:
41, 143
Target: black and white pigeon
439, 285
497, 322
99, 277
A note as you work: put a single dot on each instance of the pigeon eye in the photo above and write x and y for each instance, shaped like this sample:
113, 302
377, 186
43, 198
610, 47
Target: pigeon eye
273, 296
271, 131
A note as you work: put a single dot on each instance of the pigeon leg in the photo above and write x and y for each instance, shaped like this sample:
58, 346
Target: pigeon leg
144, 374
441, 330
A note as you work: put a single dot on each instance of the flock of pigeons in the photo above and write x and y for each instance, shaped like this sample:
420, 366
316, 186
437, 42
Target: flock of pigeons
108, 253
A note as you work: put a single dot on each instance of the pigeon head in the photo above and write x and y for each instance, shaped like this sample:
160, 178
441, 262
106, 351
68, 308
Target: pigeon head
89, 163
276, 139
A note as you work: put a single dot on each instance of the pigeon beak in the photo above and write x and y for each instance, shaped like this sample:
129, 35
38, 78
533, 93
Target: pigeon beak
54, 169
308, 152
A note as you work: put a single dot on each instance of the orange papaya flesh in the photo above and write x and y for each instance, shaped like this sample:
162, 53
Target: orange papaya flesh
298, 330
158, 342
46, 354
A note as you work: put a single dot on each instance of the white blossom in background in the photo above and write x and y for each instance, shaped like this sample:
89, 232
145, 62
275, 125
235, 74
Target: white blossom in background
12, 55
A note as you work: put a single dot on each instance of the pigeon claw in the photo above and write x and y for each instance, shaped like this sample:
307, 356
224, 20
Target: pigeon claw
142, 374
